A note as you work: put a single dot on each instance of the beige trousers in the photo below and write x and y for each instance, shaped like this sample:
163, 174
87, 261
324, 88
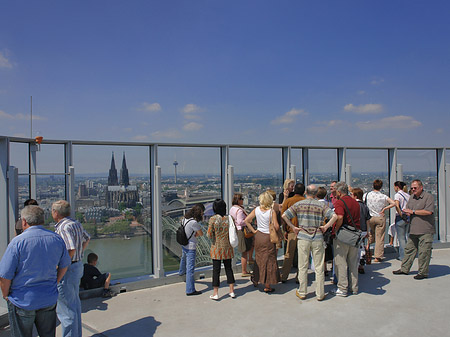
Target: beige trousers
377, 226
291, 243
317, 249
346, 263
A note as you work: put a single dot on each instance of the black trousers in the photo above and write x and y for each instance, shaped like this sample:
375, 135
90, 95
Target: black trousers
216, 272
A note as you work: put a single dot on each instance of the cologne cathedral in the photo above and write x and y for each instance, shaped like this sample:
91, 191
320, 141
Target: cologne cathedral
120, 192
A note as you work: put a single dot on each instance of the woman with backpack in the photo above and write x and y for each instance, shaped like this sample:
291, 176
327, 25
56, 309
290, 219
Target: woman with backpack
193, 230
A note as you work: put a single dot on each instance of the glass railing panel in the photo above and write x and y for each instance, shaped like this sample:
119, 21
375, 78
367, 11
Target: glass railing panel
50, 188
19, 158
50, 158
421, 164
296, 159
113, 202
257, 170
323, 167
366, 166
189, 176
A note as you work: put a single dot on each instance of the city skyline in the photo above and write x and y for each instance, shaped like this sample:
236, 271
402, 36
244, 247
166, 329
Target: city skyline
300, 73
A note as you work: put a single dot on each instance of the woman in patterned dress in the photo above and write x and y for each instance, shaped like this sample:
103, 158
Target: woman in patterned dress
221, 249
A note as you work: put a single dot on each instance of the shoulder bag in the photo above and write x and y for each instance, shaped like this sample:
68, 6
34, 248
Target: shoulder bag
275, 235
232, 232
347, 234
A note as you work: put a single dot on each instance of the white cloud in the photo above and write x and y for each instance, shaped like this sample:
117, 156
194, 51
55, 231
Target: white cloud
4, 61
289, 116
21, 135
361, 92
377, 81
20, 116
168, 134
140, 137
5, 115
191, 109
192, 126
150, 107
394, 122
439, 130
364, 109
128, 129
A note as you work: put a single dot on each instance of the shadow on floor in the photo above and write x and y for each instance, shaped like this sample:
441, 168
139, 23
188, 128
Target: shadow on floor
141, 328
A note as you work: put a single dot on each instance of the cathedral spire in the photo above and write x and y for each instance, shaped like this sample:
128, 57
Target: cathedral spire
124, 178
112, 177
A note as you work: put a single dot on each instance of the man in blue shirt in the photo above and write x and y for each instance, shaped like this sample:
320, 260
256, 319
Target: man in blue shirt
34, 262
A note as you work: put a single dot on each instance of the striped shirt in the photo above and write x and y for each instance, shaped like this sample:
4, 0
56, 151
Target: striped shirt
310, 214
74, 235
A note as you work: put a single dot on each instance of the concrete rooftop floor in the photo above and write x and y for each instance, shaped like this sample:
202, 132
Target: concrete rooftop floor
387, 305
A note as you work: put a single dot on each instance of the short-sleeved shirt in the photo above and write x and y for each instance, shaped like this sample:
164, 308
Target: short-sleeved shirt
191, 226
310, 214
238, 214
422, 224
402, 198
353, 207
74, 235
376, 201
30, 262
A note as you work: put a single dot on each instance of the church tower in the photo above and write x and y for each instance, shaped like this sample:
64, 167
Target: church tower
112, 177
124, 178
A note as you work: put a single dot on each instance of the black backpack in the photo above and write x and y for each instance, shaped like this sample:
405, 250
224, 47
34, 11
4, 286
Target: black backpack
182, 238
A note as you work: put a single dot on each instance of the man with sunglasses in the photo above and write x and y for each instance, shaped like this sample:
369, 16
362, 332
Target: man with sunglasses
420, 208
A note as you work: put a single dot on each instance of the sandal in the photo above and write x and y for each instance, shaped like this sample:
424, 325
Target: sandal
269, 290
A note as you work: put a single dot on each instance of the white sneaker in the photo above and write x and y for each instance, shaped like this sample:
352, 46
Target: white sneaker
339, 292
232, 295
214, 297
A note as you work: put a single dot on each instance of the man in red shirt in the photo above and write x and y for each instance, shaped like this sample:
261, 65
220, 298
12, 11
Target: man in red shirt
345, 256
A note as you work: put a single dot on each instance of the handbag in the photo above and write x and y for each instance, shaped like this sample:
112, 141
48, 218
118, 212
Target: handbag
275, 235
232, 232
347, 234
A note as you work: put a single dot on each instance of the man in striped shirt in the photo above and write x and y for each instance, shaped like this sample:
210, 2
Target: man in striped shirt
76, 239
310, 214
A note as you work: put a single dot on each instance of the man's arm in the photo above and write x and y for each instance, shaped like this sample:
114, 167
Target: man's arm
289, 223
60, 273
340, 220
330, 223
85, 243
5, 285
71, 253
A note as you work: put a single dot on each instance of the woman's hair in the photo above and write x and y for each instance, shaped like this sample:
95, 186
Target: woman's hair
377, 184
401, 185
273, 194
236, 198
220, 207
287, 182
265, 200
196, 212
358, 193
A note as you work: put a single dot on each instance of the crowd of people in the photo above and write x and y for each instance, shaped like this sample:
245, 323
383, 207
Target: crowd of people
41, 270
315, 227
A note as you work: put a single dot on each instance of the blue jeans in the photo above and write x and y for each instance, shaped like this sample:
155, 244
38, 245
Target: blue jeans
21, 321
402, 231
187, 266
69, 304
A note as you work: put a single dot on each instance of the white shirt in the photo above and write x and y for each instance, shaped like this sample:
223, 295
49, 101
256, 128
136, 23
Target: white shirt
263, 220
402, 198
375, 201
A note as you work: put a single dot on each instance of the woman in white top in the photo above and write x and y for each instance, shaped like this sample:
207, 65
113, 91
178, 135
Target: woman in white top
401, 199
266, 267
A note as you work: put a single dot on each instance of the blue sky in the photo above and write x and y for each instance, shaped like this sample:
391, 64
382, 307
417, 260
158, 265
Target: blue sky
345, 73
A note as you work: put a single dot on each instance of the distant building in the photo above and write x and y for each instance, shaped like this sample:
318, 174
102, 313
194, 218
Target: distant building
120, 192
98, 213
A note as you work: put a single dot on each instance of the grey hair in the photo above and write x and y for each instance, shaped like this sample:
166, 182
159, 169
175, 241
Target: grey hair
312, 190
341, 187
33, 215
61, 207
